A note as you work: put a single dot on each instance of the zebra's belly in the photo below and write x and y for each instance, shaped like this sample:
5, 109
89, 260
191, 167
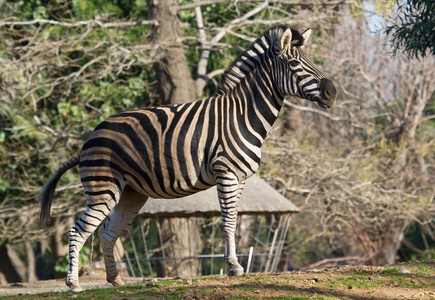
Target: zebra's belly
171, 186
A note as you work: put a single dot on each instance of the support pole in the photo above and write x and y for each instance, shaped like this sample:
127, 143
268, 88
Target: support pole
146, 248
251, 251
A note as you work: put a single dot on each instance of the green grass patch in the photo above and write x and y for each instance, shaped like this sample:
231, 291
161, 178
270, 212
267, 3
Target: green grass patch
168, 282
395, 271
356, 280
424, 270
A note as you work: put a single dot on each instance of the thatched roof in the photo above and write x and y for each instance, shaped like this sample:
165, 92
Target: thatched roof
257, 198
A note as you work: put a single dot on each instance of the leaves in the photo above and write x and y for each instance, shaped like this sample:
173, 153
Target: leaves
414, 33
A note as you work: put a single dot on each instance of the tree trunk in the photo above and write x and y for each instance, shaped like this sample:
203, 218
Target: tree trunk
175, 82
17, 263
31, 262
393, 241
181, 240
8, 273
59, 247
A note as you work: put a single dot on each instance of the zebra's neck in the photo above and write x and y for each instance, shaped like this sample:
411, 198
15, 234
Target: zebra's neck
258, 98
250, 59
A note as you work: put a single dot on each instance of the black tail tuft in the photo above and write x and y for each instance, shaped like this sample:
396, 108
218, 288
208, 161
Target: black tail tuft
45, 196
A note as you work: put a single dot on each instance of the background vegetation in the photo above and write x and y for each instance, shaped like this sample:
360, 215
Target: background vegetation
362, 173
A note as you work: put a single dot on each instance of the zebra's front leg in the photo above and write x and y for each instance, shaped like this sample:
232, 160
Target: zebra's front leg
229, 191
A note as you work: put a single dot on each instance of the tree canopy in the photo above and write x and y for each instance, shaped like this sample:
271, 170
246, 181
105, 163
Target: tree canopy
413, 32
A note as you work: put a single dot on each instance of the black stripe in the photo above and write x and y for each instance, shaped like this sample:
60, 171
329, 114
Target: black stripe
213, 124
87, 223
98, 193
101, 163
92, 216
226, 192
197, 137
77, 231
227, 198
178, 116
220, 176
81, 229
102, 178
98, 204
188, 119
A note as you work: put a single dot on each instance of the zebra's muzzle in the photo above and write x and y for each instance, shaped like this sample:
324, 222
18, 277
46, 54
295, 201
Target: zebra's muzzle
329, 93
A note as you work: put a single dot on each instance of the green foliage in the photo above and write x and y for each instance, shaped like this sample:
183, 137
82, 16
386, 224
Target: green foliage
418, 238
3, 185
58, 83
414, 34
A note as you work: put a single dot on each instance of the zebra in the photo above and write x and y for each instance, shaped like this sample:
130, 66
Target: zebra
176, 150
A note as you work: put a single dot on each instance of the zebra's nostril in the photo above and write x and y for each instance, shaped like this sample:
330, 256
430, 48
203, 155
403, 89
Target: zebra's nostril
328, 89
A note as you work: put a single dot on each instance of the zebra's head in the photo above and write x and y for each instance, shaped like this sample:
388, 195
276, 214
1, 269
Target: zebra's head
296, 74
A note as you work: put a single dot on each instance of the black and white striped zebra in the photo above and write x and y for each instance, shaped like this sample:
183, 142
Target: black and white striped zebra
177, 150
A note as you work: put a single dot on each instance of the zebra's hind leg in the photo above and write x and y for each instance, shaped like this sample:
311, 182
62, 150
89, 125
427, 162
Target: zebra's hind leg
229, 191
78, 234
117, 224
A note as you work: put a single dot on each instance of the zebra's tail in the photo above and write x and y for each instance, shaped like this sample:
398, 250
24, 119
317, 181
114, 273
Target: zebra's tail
45, 196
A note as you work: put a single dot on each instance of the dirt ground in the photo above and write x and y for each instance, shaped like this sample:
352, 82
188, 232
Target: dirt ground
408, 281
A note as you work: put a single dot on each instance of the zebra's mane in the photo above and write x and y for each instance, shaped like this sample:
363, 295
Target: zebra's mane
247, 61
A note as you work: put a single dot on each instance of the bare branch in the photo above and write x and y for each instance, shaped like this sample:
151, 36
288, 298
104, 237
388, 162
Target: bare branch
283, 2
201, 78
215, 73
236, 21
310, 109
80, 23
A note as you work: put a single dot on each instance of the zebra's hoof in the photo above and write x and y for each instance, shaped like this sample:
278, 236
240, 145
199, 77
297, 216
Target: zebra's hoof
235, 272
117, 281
74, 287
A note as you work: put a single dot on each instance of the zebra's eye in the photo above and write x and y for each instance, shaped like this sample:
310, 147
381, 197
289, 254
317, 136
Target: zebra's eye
294, 62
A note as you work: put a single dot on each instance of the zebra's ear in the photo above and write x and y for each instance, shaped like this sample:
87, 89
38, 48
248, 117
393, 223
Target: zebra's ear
286, 39
306, 35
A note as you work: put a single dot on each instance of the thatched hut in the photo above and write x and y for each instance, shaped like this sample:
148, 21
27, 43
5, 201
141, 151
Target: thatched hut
188, 233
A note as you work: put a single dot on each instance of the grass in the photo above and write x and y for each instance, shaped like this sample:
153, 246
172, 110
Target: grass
356, 281
388, 277
329, 284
